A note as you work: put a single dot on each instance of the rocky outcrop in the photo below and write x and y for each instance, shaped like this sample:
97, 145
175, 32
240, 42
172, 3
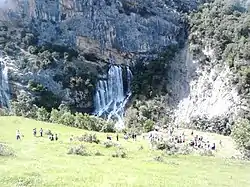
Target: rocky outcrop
204, 93
134, 26
101, 31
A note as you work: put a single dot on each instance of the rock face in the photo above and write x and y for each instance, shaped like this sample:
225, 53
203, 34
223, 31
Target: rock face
98, 29
135, 26
204, 93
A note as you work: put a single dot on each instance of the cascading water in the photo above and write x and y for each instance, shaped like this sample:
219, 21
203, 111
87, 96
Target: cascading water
4, 84
110, 98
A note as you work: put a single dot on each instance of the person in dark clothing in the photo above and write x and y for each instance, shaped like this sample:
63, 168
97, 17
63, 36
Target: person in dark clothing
52, 138
109, 137
191, 143
34, 131
213, 147
56, 137
133, 136
117, 137
41, 132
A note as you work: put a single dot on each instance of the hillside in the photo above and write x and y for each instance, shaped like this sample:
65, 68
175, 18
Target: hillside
40, 162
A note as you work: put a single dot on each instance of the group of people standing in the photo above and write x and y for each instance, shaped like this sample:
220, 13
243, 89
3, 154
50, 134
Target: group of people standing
41, 132
52, 137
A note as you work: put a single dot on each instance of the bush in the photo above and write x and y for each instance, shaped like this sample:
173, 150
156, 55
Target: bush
171, 148
108, 127
206, 152
158, 159
140, 148
6, 151
90, 138
166, 145
4, 112
67, 119
241, 135
48, 132
42, 114
55, 116
98, 153
109, 144
185, 150
120, 153
148, 125
79, 150
23, 106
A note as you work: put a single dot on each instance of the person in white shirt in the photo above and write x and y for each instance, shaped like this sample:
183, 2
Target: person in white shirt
18, 135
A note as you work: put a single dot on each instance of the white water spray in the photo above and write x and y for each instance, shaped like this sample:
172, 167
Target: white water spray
4, 84
110, 98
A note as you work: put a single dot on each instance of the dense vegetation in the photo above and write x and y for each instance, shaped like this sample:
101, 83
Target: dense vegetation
143, 116
241, 134
24, 106
223, 26
150, 77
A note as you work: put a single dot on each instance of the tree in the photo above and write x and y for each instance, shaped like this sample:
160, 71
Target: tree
148, 125
55, 116
42, 114
24, 106
241, 135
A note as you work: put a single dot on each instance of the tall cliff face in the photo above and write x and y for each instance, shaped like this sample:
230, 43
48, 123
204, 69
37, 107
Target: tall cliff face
211, 84
99, 32
204, 93
139, 26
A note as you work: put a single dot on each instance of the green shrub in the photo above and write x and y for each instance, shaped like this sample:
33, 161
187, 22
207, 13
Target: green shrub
98, 153
148, 125
5, 150
120, 153
159, 159
185, 150
35, 87
42, 114
78, 150
4, 112
206, 152
241, 135
108, 127
90, 138
109, 144
23, 106
165, 145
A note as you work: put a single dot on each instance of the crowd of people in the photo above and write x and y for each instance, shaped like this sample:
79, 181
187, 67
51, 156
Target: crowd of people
195, 141
51, 136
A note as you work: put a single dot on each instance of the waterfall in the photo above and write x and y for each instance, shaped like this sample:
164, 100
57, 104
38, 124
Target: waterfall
4, 84
111, 98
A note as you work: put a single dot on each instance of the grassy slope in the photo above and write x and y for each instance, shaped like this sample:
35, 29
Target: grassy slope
39, 162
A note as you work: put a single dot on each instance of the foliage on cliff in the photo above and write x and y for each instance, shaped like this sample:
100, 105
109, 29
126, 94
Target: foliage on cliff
150, 77
223, 26
62, 65
143, 116
241, 135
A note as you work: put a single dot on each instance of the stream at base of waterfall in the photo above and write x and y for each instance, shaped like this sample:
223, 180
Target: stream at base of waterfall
111, 96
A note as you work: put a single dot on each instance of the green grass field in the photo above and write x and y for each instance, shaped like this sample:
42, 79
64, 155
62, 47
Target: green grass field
39, 162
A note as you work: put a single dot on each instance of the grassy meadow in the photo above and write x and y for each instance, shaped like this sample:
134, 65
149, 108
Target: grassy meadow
38, 162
